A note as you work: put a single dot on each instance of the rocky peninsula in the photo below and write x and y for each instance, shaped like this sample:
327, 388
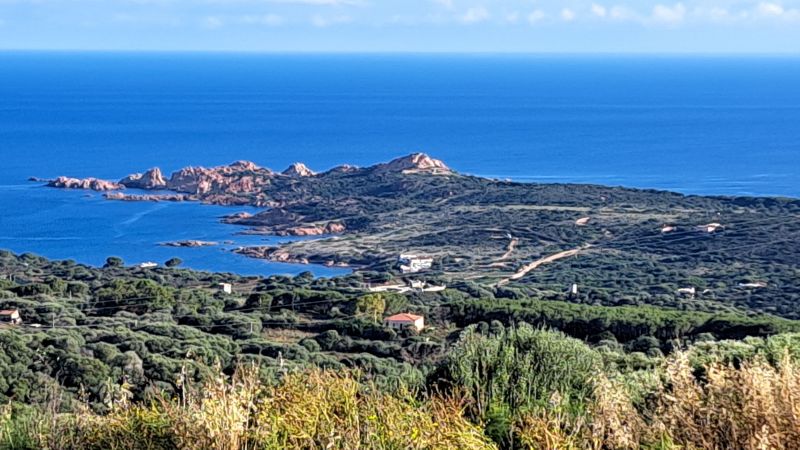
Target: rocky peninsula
489, 230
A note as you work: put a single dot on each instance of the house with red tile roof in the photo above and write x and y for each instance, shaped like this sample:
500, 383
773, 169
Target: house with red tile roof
10, 316
399, 321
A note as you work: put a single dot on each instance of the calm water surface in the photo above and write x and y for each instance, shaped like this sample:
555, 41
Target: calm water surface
714, 125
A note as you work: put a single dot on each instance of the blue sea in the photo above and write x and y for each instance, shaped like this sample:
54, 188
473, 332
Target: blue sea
702, 125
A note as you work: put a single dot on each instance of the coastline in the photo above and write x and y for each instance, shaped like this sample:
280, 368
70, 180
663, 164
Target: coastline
364, 218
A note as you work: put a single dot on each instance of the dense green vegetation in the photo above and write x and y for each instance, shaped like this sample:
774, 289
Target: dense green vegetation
85, 328
507, 387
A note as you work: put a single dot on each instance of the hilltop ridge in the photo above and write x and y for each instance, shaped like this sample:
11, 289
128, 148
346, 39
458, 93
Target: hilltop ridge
243, 177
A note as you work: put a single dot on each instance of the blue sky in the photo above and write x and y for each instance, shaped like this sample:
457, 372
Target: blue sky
690, 26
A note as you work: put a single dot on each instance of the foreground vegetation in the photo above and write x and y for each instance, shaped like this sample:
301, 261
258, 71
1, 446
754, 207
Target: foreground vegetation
515, 388
131, 358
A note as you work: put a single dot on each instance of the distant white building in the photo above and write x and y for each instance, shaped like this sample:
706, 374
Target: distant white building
691, 291
10, 316
401, 288
573, 290
756, 285
404, 288
417, 284
398, 321
414, 263
711, 227
226, 288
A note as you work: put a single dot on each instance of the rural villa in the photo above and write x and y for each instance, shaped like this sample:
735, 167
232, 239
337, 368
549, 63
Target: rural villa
414, 263
10, 316
399, 321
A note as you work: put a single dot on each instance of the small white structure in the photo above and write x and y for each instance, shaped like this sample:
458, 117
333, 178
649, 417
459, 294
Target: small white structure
148, 265
226, 288
583, 221
399, 321
573, 290
401, 288
417, 284
10, 316
712, 227
688, 291
414, 263
755, 285
413, 285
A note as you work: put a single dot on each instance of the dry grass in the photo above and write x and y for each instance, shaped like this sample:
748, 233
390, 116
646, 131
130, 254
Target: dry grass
753, 406
311, 410
756, 406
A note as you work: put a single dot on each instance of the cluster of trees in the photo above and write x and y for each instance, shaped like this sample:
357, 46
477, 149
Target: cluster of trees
91, 330
622, 323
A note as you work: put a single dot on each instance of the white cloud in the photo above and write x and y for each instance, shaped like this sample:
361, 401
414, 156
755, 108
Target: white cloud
719, 14
669, 14
512, 17
770, 9
321, 21
599, 10
536, 16
714, 14
623, 13
475, 15
567, 15
446, 3
270, 20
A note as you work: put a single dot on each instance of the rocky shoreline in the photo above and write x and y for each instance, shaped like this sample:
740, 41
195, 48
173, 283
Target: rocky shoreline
244, 183
279, 254
190, 244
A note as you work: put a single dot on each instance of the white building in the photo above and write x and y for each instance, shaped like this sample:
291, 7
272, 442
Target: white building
414, 263
10, 316
712, 227
691, 291
226, 288
399, 321
756, 285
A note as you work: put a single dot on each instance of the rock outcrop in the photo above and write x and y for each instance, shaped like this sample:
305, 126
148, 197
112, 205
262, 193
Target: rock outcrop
344, 168
314, 230
149, 197
271, 254
93, 184
298, 169
241, 177
415, 163
152, 179
189, 244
